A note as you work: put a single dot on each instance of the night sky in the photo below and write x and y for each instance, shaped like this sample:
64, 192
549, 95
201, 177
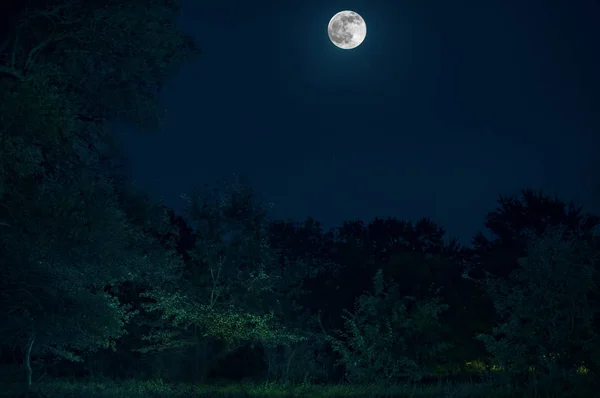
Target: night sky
444, 106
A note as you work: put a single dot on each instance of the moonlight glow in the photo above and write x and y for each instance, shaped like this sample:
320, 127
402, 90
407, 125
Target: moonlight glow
347, 29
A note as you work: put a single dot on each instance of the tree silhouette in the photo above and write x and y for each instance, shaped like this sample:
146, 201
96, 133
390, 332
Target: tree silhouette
389, 337
546, 332
511, 224
66, 243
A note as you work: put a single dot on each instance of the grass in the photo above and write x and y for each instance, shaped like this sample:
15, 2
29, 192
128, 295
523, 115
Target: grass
158, 388
58, 388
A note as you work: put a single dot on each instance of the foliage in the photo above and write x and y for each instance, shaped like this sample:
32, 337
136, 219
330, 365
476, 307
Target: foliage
388, 337
546, 332
108, 59
66, 244
512, 223
56, 269
509, 229
225, 323
59, 82
303, 260
228, 289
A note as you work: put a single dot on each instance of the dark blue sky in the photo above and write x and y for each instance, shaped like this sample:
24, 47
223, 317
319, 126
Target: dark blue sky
444, 106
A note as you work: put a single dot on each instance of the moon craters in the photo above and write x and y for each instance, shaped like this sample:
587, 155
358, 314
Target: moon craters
347, 29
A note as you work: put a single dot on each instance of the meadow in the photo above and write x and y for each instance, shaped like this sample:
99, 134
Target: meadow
158, 388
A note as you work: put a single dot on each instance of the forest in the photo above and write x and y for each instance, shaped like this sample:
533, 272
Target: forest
106, 293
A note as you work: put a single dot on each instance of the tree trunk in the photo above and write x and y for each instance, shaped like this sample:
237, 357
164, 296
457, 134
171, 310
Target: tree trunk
90, 363
197, 355
201, 357
204, 360
270, 355
27, 362
289, 362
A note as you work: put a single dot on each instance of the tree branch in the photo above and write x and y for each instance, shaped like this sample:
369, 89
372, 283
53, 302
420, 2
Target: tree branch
5, 70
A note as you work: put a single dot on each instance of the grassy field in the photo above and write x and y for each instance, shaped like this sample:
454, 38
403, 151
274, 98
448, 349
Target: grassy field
160, 389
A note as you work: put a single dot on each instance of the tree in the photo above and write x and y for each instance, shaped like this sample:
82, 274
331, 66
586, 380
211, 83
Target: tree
303, 252
229, 290
66, 67
416, 256
546, 330
111, 58
508, 231
389, 337
512, 223
60, 258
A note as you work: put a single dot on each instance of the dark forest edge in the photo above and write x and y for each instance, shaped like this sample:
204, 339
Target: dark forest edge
103, 293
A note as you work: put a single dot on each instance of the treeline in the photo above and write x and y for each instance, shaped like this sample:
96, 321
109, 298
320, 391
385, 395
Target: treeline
96, 281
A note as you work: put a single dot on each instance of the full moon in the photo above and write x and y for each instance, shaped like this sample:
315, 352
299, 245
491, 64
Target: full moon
347, 30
